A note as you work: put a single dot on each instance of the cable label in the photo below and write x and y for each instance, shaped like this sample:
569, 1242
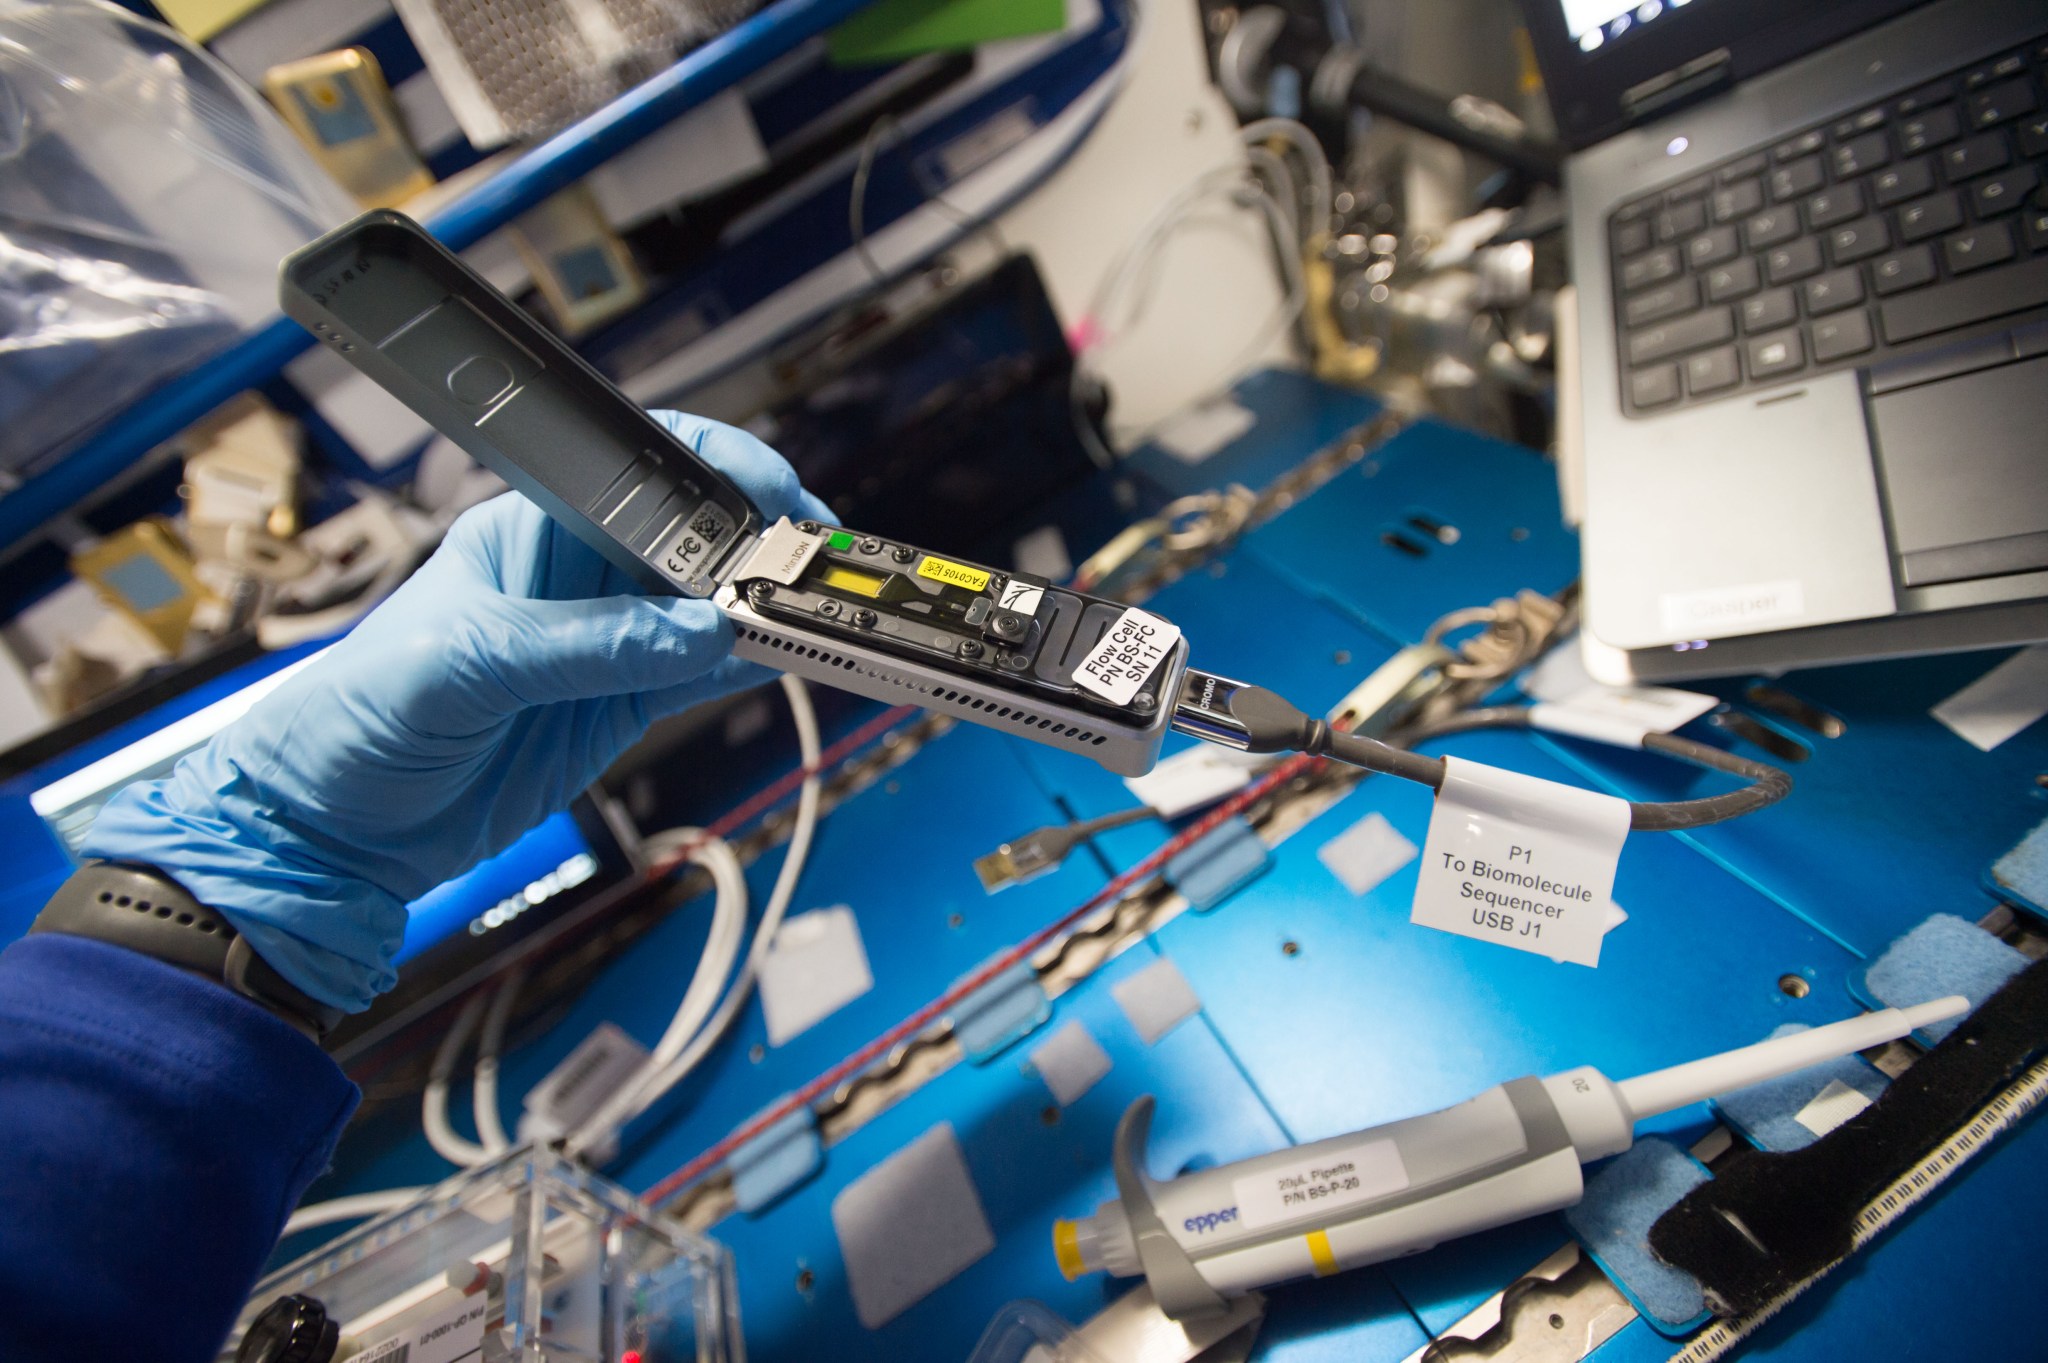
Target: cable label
1521, 862
1132, 649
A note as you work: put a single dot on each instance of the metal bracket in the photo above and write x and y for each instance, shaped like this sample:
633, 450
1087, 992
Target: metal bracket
1218, 864
776, 1161
1001, 1013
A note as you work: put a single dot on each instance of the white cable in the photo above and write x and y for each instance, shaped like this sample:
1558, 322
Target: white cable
1159, 225
1290, 231
721, 948
1322, 183
636, 1097
447, 1142
1289, 189
656, 1077
490, 1129
353, 1208
1276, 323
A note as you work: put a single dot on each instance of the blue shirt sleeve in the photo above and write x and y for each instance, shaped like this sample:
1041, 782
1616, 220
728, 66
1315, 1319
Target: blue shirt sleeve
155, 1132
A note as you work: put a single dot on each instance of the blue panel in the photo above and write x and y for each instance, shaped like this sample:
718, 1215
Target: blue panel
1297, 415
1403, 1019
1368, 1018
1895, 819
999, 1114
1496, 503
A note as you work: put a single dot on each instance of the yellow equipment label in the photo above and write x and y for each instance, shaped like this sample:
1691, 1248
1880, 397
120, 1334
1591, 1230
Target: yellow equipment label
953, 574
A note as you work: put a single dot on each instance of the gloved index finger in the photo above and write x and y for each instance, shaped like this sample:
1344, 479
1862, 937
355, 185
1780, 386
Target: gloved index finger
763, 475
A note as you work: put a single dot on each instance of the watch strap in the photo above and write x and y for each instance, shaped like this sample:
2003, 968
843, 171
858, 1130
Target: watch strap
142, 909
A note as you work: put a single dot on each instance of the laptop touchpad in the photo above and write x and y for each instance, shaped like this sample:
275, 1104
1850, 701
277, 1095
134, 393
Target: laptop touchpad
1965, 473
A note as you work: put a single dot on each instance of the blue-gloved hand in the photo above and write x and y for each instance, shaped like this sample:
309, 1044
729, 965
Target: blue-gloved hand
499, 681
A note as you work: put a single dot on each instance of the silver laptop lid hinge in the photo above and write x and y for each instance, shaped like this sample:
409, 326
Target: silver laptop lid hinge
1660, 94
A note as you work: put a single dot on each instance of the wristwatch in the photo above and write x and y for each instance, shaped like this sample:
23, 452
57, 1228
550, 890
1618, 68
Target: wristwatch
140, 908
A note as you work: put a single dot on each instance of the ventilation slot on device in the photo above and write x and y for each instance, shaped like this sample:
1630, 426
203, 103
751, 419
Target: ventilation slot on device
958, 699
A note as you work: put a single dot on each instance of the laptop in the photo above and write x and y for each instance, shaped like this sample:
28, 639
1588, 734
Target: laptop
1811, 249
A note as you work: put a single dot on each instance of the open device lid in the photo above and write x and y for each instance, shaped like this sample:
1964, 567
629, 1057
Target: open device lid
399, 306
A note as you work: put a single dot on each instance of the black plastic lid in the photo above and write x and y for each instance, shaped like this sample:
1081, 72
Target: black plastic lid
292, 1329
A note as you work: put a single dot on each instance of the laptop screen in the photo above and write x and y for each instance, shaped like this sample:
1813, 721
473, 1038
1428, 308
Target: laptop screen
1608, 64
1593, 24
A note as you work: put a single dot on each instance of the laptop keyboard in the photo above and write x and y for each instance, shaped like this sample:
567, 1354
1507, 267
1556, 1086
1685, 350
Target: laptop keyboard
1909, 220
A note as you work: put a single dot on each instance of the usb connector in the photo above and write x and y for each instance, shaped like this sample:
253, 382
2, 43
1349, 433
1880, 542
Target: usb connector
1043, 849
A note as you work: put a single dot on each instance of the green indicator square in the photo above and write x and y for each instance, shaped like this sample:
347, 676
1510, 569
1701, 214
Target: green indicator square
840, 541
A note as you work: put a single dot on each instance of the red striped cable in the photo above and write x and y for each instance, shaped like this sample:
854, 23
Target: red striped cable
667, 1189
789, 781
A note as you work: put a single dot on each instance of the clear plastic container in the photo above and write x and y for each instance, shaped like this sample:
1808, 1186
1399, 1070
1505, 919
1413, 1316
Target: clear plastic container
1028, 1332
537, 1257
146, 196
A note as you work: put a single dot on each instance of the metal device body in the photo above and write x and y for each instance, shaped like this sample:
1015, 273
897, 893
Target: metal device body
882, 619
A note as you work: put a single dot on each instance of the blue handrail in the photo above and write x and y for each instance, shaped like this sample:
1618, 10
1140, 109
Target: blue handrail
560, 161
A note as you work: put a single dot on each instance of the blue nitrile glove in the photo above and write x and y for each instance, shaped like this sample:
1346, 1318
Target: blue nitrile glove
499, 681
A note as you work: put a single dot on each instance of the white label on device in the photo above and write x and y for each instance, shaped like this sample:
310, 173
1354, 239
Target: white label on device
1325, 1183
1523, 862
1621, 715
1021, 597
447, 1336
1130, 652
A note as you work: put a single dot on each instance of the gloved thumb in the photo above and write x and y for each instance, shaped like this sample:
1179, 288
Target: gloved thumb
523, 653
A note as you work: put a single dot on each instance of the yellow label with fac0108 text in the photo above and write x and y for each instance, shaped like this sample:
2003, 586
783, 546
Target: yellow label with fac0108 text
953, 574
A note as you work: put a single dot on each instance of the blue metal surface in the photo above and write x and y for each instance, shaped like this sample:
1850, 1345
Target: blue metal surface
1368, 1018
1001, 1013
1893, 820
998, 1112
1496, 504
776, 1161
1229, 612
1296, 415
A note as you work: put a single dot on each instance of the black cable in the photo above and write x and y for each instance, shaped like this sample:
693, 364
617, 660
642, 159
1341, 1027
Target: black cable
1271, 724
1768, 784
1044, 848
